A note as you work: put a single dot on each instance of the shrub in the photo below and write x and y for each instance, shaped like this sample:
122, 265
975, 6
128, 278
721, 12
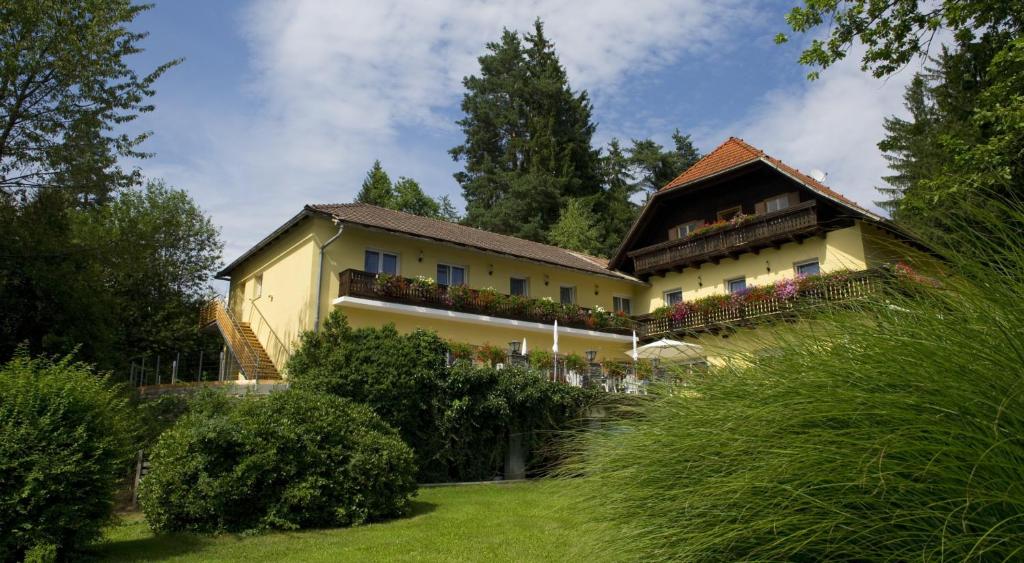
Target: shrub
65, 440
292, 460
891, 433
456, 419
392, 373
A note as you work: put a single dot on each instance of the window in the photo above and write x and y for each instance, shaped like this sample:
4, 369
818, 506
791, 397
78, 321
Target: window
729, 213
622, 305
685, 229
738, 284
518, 286
451, 275
777, 203
257, 286
808, 268
567, 294
673, 297
377, 262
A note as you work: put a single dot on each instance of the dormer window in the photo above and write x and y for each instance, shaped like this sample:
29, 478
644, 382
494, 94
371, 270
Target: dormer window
777, 203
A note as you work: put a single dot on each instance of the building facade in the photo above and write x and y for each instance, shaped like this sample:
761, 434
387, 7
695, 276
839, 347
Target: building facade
737, 236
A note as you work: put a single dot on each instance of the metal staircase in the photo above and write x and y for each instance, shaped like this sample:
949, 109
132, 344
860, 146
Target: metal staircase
253, 360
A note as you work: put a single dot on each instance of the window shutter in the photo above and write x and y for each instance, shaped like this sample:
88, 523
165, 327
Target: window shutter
794, 198
759, 208
673, 233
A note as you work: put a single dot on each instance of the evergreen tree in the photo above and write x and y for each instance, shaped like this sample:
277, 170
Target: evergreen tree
377, 188
409, 197
528, 138
615, 209
654, 166
576, 228
447, 210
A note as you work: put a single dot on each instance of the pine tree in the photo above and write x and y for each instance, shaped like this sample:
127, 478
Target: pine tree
616, 210
576, 228
654, 166
528, 138
377, 188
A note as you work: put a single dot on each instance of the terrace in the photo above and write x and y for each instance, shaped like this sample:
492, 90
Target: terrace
787, 297
426, 293
753, 234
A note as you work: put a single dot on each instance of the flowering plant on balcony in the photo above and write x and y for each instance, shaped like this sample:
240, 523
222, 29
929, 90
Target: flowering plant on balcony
424, 282
392, 285
782, 290
720, 224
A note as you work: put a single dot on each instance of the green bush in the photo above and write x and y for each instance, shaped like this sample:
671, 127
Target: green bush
291, 460
892, 433
458, 419
65, 441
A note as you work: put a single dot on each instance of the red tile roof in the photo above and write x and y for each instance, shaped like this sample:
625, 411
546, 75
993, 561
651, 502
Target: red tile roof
736, 152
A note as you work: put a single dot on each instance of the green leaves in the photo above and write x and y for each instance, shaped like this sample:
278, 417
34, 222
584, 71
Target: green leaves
66, 438
292, 460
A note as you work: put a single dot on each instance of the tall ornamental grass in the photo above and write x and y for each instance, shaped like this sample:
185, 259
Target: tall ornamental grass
892, 431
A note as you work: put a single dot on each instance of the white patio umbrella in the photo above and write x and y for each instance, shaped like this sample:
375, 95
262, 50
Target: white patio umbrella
524, 345
666, 350
554, 347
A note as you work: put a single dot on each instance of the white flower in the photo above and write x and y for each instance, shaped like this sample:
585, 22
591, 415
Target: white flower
599, 309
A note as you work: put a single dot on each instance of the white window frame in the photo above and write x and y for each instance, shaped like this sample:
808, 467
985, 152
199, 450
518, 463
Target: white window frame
696, 224
665, 294
729, 282
380, 259
627, 298
571, 287
465, 272
781, 201
526, 284
797, 265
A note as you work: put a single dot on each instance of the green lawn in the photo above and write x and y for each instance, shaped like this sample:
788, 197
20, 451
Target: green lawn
514, 522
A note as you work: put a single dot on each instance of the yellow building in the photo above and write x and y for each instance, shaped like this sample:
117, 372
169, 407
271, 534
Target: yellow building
735, 221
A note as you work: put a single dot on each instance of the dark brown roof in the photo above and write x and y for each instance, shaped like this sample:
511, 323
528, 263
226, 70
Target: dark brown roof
405, 223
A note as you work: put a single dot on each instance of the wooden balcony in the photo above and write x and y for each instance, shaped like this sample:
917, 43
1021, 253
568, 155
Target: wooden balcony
853, 286
357, 283
770, 229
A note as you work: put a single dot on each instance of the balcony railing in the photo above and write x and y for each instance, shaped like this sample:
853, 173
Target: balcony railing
852, 286
763, 230
357, 283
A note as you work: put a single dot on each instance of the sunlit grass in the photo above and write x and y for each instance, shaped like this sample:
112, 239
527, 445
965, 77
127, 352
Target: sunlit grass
513, 522
891, 432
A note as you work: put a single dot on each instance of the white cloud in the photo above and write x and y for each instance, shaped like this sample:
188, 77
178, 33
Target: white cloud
832, 124
338, 84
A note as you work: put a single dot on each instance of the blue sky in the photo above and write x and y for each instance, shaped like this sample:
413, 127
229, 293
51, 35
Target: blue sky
279, 104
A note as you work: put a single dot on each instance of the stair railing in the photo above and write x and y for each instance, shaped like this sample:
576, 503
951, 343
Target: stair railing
259, 324
248, 360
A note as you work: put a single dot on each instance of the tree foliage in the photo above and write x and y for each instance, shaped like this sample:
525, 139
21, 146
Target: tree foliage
66, 91
65, 438
528, 138
894, 32
110, 281
404, 195
577, 228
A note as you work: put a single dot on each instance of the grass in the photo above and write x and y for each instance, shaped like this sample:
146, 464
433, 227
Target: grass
513, 522
890, 433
